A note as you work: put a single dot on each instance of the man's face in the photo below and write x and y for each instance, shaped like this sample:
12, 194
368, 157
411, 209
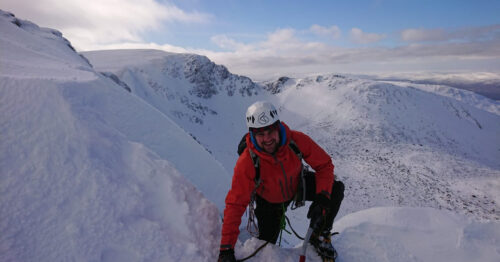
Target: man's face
268, 139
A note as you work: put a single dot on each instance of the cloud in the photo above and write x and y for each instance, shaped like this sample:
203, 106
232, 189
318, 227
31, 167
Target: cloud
91, 23
283, 53
360, 37
332, 31
441, 35
225, 42
282, 38
419, 35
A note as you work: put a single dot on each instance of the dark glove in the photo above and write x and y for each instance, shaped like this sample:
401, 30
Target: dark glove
227, 255
318, 210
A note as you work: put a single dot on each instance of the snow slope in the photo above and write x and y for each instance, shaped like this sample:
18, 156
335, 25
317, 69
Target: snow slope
128, 158
398, 234
400, 145
94, 96
74, 186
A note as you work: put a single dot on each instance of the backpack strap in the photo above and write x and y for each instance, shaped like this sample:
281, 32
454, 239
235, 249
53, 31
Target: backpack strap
300, 197
252, 227
256, 164
295, 149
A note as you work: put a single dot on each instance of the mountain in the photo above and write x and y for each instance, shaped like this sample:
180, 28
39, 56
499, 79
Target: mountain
203, 98
402, 145
384, 137
483, 83
393, 143
127, 155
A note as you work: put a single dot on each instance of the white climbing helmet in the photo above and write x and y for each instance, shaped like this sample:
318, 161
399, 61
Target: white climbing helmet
261, 114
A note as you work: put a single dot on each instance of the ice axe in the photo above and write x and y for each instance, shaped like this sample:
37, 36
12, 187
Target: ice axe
312, 226
304, 246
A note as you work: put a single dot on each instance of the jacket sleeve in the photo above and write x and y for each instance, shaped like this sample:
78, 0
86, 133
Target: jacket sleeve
318, 159
237, 199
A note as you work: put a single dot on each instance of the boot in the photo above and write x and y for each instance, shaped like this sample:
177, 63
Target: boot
323, 245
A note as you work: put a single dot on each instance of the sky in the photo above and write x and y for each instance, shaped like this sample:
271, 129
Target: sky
268, 39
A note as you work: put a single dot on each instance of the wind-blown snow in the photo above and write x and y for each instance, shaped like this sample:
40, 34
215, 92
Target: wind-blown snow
128, 157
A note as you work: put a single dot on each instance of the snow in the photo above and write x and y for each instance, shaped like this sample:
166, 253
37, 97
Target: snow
399, 234
91, 170
167, 82
399, 145
76, 186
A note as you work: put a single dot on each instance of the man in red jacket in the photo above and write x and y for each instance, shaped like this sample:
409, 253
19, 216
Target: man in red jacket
280, 173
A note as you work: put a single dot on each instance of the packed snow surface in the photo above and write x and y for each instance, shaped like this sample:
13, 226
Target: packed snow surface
127, 156
398, 234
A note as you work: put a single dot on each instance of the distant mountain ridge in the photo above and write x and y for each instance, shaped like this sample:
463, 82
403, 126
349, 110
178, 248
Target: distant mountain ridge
483, 83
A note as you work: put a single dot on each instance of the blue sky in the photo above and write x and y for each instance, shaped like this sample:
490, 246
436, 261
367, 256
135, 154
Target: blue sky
266, 39
252, 20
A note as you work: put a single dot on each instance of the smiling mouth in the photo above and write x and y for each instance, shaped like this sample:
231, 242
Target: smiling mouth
269, 143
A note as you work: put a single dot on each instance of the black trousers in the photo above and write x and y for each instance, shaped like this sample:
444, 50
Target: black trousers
269, 214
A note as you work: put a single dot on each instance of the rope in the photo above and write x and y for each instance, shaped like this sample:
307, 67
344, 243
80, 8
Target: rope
293, 230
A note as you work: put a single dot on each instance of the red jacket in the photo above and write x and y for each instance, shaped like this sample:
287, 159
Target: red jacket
280, 175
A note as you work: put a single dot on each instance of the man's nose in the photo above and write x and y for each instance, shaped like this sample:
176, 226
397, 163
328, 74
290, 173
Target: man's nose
267, 136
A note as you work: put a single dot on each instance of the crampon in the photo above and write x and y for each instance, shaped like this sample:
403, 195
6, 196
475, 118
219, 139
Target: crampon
324, 247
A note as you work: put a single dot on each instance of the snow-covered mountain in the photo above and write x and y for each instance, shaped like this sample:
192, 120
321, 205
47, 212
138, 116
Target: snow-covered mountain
207, 101
402, 145
399, 144
127, 155
484, 83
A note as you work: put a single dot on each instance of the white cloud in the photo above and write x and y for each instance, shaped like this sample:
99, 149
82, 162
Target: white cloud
282, 53
418, 35
441, 35
332, 31
225, 42
281, 37
360, 37
91, 23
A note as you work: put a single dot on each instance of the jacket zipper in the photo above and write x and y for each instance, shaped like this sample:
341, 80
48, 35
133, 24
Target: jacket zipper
285, 197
